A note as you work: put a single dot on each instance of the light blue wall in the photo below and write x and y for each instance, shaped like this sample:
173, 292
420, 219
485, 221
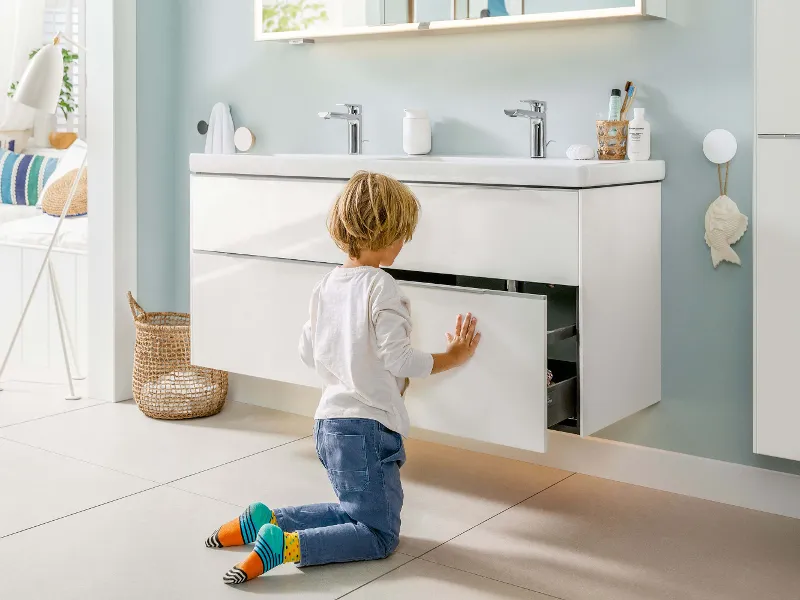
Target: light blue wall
157, 93
695, 74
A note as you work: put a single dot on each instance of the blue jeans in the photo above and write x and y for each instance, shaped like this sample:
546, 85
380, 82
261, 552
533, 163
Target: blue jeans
363, 460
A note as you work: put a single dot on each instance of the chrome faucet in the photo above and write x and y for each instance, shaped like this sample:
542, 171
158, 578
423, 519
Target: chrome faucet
353, 117
537, 118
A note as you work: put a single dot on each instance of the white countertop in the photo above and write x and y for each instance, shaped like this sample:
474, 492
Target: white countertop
549, 172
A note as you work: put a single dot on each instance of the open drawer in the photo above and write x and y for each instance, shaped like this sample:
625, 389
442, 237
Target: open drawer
247, 315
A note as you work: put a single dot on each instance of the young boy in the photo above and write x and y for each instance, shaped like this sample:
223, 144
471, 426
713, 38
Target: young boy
358, 340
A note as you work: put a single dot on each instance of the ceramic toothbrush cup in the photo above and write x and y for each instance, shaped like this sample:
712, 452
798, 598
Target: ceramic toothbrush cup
416, 132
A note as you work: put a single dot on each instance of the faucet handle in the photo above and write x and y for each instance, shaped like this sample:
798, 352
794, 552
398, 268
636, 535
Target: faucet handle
537, 105
352, 109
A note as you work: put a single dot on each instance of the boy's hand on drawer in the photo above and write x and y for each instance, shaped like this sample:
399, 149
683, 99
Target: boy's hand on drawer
461, 345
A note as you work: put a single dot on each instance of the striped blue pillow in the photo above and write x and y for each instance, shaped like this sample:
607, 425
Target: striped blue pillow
22, 177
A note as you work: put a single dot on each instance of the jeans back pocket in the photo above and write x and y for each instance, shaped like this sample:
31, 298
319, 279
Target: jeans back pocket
346, 462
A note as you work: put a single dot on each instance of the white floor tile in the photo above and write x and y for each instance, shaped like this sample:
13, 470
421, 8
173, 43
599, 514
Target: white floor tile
119, 436
21, 402
151, 546
592, 538
38, 486
421, 579
447, 491
287, 476
450, 490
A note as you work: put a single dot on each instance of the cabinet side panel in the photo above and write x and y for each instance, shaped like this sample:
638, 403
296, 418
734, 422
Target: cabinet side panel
777, 410
619, 303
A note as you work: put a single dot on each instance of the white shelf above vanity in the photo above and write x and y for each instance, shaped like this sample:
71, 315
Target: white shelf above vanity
579, 244
392, 18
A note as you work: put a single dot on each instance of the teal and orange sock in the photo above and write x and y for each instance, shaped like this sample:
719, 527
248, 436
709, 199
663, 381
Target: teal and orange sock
243, 529
272, 548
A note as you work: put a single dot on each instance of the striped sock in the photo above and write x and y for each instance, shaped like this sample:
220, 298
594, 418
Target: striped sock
267, 554
243, 529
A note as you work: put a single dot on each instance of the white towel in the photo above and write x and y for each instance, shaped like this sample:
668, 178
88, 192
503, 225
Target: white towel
219, 139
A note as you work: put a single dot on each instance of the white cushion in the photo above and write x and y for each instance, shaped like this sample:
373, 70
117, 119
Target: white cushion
14, 212
38, 231
71, 160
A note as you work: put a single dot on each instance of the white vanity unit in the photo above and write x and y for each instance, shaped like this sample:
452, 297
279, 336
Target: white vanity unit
559, 260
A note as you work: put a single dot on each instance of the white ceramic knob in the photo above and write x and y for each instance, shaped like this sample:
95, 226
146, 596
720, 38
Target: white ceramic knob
244, 139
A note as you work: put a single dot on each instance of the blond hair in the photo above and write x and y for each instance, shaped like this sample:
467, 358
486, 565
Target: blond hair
372, 212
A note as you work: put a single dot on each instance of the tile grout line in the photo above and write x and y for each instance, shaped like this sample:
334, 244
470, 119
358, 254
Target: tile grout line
365, 584
149, 489
199, 495
420, 557
505, 510
230, 462
83, 510
81, 460
157, 484
405, 564
204, 497
58, 414
519, 587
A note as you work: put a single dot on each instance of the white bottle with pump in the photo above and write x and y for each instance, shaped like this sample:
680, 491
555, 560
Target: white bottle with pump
638, 136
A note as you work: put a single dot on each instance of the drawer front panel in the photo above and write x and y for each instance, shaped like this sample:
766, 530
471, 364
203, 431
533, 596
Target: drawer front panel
247, 315
505, 233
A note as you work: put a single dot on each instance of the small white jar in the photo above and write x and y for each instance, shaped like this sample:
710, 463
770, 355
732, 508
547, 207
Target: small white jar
416, 131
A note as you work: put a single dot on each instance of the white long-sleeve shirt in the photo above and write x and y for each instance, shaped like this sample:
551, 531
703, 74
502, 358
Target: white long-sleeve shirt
358, 338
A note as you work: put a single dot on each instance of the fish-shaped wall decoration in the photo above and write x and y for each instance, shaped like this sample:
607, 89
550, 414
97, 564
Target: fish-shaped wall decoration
725, 226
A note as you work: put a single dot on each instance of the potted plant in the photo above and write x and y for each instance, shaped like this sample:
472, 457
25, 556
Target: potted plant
297, 15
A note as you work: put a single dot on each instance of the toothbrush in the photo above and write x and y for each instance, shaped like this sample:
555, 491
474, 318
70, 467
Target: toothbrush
629, 101
628, 85
631, 98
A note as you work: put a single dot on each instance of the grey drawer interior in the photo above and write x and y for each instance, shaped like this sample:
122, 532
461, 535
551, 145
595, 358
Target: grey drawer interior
562, 395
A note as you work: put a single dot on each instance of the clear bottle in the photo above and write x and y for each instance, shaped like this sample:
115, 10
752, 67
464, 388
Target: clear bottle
638, 136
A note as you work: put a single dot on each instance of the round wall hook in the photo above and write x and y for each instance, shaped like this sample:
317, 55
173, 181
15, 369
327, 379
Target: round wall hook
720, 146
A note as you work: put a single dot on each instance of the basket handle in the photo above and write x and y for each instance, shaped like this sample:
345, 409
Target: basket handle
136, 310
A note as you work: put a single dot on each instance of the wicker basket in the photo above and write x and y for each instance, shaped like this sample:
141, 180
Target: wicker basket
612, 140
57, 195
165, 383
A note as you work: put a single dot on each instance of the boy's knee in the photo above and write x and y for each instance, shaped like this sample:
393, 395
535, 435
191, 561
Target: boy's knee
390, 541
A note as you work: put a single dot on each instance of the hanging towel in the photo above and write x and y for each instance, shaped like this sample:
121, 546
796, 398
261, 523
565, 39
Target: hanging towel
219, 139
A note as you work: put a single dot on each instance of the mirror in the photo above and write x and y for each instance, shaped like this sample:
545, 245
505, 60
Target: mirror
312, 19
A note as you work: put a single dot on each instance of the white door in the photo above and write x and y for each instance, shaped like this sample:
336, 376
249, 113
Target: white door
777, 64
247, 315
777, 299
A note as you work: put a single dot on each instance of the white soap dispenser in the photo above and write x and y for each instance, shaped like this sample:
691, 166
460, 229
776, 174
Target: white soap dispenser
416, 132
638, 136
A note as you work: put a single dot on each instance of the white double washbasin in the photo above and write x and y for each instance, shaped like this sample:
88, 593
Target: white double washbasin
549, 172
